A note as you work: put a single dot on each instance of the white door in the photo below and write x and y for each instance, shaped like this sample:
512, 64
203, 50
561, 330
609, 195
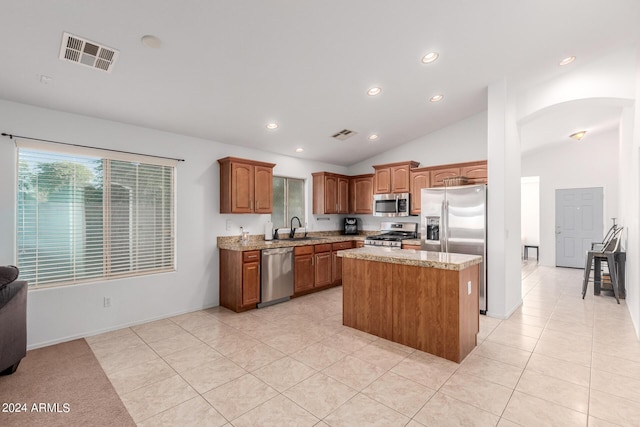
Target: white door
578, 224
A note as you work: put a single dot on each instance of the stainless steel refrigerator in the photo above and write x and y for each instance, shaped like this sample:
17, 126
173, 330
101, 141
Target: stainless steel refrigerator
454, 220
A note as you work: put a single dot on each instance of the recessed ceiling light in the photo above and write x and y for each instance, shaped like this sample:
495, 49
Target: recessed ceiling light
436, 98
373, 137
568, 60
151, 41
430, 57
374, 91
578, 135
272, 126
299, 150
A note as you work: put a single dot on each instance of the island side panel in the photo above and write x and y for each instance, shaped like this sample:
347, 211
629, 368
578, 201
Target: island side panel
469, 310
420, 313
366, 287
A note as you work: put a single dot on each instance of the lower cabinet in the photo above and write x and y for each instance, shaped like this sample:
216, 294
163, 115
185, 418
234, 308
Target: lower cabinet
303, 269
416, 247
336, 261
239, 279
322, 259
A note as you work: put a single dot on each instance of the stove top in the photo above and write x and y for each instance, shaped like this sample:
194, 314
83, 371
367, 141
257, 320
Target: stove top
393, 233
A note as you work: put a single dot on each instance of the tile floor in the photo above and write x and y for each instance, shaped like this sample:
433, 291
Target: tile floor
557, 361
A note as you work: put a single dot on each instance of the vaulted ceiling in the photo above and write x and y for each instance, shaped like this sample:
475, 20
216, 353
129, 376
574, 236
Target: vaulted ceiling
225, 69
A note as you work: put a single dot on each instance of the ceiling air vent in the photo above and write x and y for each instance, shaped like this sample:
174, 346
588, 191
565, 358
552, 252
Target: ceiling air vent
344, 134
87, 53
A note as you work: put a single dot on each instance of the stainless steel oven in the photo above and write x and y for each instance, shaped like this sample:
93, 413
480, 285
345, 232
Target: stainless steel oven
391, 204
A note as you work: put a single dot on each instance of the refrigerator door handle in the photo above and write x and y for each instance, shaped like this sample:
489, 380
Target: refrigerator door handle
443, 227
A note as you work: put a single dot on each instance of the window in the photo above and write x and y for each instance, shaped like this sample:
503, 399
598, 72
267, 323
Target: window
86, 217
288, 201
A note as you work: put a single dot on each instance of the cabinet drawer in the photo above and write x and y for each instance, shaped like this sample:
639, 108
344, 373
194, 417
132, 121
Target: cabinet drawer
303, 250
325, 247
341, 245
249, 256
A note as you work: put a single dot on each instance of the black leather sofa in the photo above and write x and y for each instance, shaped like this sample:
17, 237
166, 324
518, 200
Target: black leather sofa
13, 324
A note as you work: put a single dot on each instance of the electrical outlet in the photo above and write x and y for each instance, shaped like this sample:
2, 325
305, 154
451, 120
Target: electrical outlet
469, 287
229, 225
107, 302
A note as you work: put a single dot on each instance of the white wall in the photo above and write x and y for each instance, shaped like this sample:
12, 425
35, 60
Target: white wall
63, 313
469, 137
592, 162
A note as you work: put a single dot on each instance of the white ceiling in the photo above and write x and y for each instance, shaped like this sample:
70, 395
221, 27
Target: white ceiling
226, 68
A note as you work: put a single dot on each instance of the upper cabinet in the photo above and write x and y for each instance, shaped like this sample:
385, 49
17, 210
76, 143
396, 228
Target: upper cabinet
361, 194
246, 186
476, 172
393, 177
420, 178
330, 193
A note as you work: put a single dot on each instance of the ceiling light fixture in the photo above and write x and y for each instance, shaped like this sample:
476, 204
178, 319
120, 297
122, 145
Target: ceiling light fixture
272, 126
568, 60
373, 137
299, 150
436, 98
151, 41
430, 57
578, 135
374, 91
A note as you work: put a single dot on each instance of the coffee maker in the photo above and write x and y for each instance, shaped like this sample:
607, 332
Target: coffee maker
350, 226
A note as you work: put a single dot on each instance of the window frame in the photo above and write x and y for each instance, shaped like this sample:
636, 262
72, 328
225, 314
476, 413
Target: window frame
286, 213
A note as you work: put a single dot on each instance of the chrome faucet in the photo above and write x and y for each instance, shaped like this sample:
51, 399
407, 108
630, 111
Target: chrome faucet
293, 230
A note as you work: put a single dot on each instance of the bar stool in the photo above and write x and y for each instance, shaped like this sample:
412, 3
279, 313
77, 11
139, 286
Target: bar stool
606, 253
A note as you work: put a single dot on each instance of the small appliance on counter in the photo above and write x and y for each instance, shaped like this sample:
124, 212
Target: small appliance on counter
350, 226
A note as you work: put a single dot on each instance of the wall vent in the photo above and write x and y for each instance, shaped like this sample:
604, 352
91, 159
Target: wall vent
344, 134
87, 53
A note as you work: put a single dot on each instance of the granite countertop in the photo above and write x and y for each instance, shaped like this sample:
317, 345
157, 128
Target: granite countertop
257, 242
416, 242
441, 260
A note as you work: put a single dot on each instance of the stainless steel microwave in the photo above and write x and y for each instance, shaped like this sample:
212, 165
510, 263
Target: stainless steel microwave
391, 204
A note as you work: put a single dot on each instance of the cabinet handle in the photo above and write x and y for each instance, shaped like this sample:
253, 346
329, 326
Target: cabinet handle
250, 204
313, 259
257, 204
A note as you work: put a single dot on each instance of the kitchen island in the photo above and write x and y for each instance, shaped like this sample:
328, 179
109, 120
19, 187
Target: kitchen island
425, 300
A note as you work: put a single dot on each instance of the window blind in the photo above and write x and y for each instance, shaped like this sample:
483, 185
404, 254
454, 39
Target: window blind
82, 217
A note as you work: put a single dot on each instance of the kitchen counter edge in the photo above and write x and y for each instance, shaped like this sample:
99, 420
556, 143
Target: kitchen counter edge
429, 259
253, 245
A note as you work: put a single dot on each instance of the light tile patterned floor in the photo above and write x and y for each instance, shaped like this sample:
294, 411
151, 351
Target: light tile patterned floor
557, 361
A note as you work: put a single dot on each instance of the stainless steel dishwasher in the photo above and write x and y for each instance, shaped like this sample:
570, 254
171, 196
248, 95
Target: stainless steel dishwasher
277, 276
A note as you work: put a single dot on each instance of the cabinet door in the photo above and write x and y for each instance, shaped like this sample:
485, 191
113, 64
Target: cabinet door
330, 194
303, 273
250, 283
438, 175
242, 188
419, 180
263, 190
336, 261
382, 181
323, 269
361, 195
477, 173
400, 179
343, 195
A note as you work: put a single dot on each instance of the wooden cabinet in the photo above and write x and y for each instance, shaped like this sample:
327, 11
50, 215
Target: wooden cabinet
415, 247
239, 279
336, 261
420, 178
246, 186
393, 177
330, 193
303, 269
476, 172
358, 244
322, 261
361, 194
438, 175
